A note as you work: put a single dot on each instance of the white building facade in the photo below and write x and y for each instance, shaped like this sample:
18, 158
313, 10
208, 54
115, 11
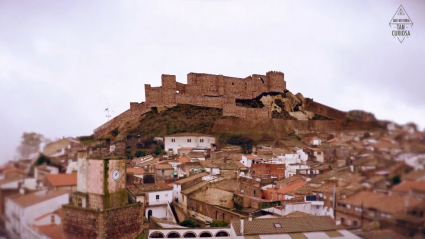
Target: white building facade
21, 210
188, 140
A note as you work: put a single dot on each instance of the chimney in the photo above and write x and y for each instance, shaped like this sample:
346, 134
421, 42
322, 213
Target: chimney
250, 217
241, 226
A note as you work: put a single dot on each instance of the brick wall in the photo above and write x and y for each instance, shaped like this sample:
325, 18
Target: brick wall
212, 211
123, 222
276, 170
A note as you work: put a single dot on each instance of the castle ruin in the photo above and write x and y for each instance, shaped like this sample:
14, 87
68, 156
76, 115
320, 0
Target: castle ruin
215, 91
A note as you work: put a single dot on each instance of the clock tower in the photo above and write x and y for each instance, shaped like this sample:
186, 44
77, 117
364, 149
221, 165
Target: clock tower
101, 183
100, 206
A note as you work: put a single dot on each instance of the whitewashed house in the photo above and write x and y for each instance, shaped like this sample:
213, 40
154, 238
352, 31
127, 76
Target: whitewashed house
22, 209
188, 140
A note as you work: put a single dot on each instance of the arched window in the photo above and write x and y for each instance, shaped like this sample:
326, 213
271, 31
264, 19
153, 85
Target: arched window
222, 234
205, 234
173, 235
156, 235
189, 235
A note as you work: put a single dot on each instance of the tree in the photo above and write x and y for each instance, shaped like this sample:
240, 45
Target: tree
158, 150
140, 153
128, 154
188, 223
30, 144
219, 223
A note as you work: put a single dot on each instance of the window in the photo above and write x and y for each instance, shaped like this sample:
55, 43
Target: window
348, 206
157, 197
319, 153
166, 195
342, 220
189, 140
173, 140
317, 206
53, 219
277, 225
355, 223
201, 140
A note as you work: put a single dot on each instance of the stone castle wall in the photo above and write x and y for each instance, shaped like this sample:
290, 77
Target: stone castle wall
210, 90
135, 110
325, 110
282, 127
123, 222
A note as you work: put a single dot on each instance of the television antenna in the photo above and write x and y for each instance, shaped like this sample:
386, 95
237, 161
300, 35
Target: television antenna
108, 113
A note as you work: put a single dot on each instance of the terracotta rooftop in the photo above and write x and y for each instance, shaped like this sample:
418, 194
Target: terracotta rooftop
290, 180
153, 187
406, 185
62, 179
415, 175
188, 179
57, 212
183, 159
52, 231
381, 202
291, 187
164, 166
188, 134
298, 214
383, 234
285, 225
208, 163
232, 165
239, 164
35, 197
136, 171
321, 177
195, 187
135, 191
302, 190
375, 179
251, 156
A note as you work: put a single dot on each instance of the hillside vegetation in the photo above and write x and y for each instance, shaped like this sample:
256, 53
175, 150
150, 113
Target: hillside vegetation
178, 119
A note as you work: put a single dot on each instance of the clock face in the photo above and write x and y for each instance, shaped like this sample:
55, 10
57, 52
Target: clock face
115, 175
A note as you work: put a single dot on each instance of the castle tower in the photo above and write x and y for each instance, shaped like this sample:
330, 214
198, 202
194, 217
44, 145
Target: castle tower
100, 207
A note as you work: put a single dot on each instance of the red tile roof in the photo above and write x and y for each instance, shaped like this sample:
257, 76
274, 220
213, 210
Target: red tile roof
53, 231
62, 179
291, 187
136, 171
406, 185
35, 197
183, 159
381, 202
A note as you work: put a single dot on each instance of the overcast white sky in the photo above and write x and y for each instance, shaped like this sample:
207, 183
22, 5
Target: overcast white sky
63, 62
